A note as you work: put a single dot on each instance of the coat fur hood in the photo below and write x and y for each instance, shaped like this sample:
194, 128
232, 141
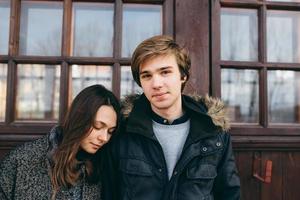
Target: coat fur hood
215, 109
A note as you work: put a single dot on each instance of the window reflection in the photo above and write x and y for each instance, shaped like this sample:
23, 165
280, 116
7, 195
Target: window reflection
239, 34
3, 77
128, 85
38, 92
139, 23
41, 28
86, 75
4, 25
283, 36
284, 96
240, 92
93, 29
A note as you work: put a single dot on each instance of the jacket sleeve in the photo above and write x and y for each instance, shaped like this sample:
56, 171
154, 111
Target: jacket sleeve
8, 168
110, 189
227, 183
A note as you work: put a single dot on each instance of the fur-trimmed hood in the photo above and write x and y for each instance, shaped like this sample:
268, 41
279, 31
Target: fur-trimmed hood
215, 108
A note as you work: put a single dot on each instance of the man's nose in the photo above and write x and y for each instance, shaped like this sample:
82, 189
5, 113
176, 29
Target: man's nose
156, 81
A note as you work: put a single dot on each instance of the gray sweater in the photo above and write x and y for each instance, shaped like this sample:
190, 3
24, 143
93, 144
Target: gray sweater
171, 139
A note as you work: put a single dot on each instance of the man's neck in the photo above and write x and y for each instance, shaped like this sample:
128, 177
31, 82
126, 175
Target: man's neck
172, 113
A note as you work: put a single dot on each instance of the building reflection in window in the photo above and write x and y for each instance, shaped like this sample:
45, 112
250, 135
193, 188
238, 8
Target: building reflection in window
93, 29
283, 36
128, 85
239, 89
3, 86
284, 96
4, 26
41, 28
37, 92
86, 75
139, 22
239, 34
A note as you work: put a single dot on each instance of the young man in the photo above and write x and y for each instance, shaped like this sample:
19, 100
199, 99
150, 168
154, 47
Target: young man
172, 146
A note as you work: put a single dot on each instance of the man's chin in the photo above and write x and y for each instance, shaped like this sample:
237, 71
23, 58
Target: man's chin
162, 105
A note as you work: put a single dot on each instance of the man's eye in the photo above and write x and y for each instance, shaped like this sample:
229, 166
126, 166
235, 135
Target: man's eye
166, 72
145, 76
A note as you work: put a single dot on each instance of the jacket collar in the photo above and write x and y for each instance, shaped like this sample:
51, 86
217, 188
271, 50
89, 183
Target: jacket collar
208, 115
137, 111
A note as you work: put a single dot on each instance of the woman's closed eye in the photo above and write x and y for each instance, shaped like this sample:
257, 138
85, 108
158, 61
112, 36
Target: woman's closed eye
98, 125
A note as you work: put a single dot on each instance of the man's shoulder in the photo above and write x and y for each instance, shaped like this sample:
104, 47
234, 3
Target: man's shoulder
211, 107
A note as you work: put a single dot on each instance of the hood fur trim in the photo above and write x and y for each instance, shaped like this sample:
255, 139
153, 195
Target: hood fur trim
215, 108
127, 104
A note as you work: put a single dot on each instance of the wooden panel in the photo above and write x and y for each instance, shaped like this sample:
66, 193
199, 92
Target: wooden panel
249, 186
285, 174
291, 175
273, 190
192, 31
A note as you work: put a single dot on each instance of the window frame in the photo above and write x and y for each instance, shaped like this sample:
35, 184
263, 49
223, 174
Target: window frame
264, 128
29, 127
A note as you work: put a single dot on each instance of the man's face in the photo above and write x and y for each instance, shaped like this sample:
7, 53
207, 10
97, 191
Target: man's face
161, 82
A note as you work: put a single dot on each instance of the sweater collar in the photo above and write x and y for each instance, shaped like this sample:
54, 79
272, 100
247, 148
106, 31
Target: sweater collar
158, 119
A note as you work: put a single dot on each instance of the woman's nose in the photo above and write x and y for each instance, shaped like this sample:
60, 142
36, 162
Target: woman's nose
103, 137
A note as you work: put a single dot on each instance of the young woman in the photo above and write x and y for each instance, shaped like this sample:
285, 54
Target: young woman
67, 163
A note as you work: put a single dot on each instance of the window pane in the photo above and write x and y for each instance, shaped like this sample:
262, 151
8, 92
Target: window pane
240, 92
86, 75
4, 25
93, 29
38, 91
41, 28
283, 36
239, 34
139, 23
128, 85
284, 96
3, 78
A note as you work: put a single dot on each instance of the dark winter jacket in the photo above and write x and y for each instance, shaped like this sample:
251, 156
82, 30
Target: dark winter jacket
206, 169
24, 174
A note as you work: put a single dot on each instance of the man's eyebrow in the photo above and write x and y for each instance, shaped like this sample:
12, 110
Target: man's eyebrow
144, 72
160, 69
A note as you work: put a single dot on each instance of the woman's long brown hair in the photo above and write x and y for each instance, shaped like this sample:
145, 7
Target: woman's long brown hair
77, 125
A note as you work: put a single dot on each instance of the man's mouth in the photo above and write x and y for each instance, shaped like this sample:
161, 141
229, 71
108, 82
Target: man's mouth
159, 94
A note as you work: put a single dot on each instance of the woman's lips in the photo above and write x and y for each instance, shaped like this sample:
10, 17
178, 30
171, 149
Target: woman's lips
96, 146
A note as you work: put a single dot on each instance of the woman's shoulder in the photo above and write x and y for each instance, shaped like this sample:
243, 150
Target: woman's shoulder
28, 152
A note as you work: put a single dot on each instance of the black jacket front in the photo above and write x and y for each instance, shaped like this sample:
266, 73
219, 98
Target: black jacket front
205, 170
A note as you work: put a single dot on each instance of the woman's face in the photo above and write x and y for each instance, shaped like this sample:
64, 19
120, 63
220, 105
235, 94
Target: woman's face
104, 125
